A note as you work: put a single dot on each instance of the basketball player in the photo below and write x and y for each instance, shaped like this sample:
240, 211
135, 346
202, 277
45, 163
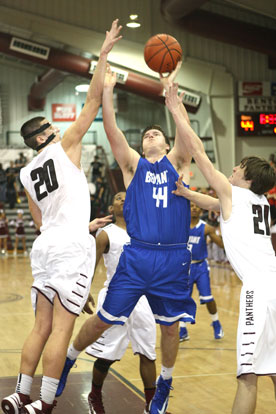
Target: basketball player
156, 262
63, 256
200, 272
139, 329
244, 220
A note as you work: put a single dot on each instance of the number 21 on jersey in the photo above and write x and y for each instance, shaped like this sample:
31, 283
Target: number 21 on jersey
261, 219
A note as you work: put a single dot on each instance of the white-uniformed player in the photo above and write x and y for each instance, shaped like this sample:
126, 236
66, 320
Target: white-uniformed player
63, 256
245, 226
139, 329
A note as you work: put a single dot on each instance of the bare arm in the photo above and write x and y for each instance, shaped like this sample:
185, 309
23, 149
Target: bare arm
216, 238
179, 154
126, 157
195, 147
35, 211
71, 141
202, 200
99, 222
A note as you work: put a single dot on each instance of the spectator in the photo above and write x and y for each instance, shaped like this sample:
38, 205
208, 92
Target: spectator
11, 192
96, 169
3, 184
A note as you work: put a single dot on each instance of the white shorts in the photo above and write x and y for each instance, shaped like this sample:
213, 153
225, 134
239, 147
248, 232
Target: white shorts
63, 267
256, 349
139, 330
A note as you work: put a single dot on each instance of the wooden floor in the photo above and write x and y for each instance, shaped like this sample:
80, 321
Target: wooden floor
204, 376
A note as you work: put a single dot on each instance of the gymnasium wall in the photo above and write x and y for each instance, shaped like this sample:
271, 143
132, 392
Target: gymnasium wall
209, 67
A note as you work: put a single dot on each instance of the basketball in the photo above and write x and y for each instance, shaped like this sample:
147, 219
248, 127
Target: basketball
162, 52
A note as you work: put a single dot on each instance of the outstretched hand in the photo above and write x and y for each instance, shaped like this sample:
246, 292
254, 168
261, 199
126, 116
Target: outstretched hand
110, 78
172, 99
90, 303
111, 37
99, 222
168, 81
181, 190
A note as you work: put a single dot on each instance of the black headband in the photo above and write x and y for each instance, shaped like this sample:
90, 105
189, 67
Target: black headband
37, 131
48, 140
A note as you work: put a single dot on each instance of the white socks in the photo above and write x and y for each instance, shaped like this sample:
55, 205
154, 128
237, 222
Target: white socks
24, 384
48, 389
214, 317
166, 372
72, 353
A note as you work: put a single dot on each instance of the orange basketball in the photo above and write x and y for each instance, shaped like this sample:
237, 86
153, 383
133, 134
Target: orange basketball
162, 52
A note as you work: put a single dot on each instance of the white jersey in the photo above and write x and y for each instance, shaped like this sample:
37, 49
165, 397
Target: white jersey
60, 190
140, 328
117, 238
246, 237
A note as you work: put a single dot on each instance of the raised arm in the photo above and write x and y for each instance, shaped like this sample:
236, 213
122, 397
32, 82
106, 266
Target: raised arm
203, 201
195, 147
179, 154
71, 141
126, 157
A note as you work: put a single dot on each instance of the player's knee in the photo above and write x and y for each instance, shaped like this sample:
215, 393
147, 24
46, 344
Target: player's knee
170, 330
103, 365
146, 360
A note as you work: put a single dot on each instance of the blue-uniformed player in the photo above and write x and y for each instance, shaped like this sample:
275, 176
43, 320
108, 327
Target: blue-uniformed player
200, 273
156, 262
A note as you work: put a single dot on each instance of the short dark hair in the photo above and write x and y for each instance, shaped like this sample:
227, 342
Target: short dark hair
158, 127
260, 172
30, 126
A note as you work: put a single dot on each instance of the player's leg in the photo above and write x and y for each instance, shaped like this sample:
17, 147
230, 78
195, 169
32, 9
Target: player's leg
273, 377
110, 347
142, 335
90, 331
53, 358
169, 349
206, 297
30, 356
246, 395
148, 375
100, 371
183, 331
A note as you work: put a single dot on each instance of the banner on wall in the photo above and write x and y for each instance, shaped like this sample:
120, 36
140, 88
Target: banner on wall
63, 112
257, 96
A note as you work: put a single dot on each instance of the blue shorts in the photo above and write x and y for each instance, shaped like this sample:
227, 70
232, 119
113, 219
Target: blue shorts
200, 275
159, 272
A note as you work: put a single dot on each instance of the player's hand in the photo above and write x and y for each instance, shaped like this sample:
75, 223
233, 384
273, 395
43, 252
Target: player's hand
181, 190
99, 222
90, 303
111, 37
172, 99
168, 80
110, 78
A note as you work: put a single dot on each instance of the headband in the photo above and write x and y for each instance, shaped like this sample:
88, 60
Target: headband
37, 131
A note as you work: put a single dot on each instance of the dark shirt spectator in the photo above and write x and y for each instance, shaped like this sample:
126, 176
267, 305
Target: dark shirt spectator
96, 169
3, 184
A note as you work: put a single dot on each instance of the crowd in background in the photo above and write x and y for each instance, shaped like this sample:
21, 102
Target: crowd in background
11, 193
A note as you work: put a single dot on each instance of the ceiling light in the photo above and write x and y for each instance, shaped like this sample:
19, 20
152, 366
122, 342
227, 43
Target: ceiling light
82, 88
133, 24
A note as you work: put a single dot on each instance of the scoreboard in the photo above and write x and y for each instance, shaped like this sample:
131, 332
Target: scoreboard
258, 124
256, 112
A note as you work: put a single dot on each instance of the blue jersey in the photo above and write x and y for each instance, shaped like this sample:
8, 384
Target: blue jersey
152, 213
197, 241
